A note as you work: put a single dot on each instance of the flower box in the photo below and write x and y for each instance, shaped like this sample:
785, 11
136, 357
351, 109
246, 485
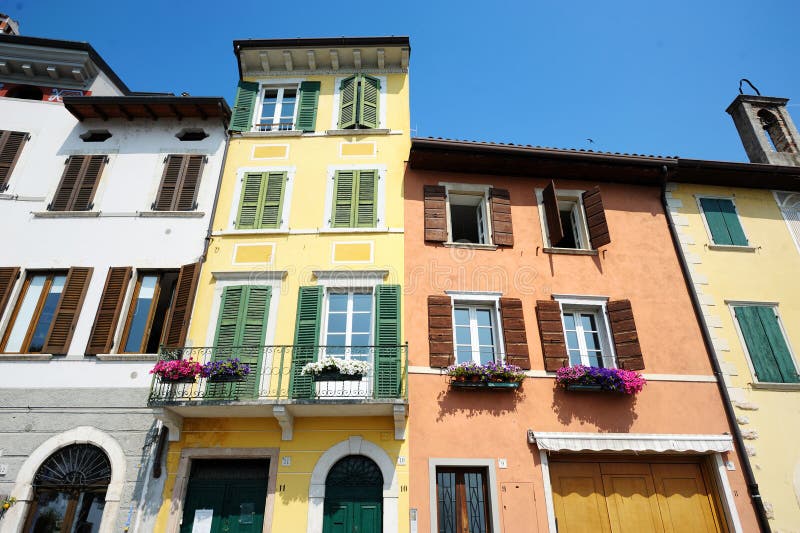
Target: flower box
577, 387
334, 369
494, 385
225, 371
491, 375
176, 370
184, 379
335, 375
580, 378
222, 378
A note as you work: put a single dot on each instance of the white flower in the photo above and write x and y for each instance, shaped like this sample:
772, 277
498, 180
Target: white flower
342, 366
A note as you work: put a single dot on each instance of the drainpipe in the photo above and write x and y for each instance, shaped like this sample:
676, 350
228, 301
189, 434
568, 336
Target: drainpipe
747, 469
207, 242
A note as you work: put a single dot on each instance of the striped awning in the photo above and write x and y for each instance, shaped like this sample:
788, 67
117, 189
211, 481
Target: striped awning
629, 442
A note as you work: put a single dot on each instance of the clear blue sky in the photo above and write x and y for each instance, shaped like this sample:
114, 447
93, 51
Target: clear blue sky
652, 80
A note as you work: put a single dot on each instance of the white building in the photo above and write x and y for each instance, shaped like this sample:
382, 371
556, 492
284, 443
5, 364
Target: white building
105, 201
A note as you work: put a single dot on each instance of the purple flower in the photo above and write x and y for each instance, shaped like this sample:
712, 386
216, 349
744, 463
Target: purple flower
610, 379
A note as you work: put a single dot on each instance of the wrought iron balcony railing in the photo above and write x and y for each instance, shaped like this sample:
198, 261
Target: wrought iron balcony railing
276, 374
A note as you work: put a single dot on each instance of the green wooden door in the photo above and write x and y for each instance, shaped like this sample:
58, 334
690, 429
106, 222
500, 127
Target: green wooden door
352, 517
353, 497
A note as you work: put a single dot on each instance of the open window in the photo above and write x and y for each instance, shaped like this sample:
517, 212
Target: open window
468, 214
467, 220
144, 326
572, 219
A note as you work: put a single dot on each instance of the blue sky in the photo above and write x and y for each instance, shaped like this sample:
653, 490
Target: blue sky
651, 80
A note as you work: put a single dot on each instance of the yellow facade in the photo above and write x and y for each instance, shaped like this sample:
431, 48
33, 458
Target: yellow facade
294, 255
765, 272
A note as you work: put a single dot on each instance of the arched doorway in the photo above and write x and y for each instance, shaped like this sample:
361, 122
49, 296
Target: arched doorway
353, 497
69, 491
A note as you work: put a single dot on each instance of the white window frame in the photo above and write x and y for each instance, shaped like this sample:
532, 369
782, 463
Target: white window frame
579, 211
380, 214
486, 300
711, 244
597, 305
280, 85
774, 305
349, 326
287, 198
491, 481
467, 189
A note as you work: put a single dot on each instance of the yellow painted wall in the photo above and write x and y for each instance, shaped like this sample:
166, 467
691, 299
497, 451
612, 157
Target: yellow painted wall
770, 273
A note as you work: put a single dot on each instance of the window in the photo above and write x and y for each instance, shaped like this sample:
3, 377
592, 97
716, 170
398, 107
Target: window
586, 337
359, 102
468, 214
355, 199
34, 313
723, 222
179, 183
261, 202
462, 500
348, 324
191, 134
572, 219
475, 333
78, 183
766, 344
278, 106
468, 218
144, 326
95, 136
11, 143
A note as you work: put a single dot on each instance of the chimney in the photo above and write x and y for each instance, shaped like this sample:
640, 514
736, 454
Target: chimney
8, 26
768, 134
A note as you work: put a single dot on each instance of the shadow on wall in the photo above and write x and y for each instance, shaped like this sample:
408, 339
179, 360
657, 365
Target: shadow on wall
607, 412
468, 403
148, 492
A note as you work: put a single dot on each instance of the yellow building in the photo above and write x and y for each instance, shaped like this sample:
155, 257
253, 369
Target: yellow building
739, 227
304, 265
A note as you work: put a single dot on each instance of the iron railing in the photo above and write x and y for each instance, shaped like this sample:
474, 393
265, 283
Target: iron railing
274, 126
276, 375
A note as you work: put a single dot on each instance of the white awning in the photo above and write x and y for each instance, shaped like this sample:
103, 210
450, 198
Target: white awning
629, 442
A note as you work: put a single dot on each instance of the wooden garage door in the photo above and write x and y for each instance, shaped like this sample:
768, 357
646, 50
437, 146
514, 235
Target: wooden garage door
632, 498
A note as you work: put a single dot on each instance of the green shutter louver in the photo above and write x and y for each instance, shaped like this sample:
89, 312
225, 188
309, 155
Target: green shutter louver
271, 207
347, 102
228, 321
261, 203
368, 102
355, 199
366, 207
306, 339
307, 105
387, 340
359, 102
343, 194
766, 345
723, 222
242, 117
250, 201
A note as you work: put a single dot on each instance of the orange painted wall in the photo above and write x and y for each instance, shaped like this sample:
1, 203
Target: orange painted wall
640, 264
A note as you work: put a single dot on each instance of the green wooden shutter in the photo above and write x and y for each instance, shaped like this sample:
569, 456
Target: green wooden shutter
365, 208
347, 102
272, 203
242, 118
307, 105
777, 342
387, 339
732, 222
306, 339
228, 322
343, 195
368, 98
723, 222
765, 344
250, 201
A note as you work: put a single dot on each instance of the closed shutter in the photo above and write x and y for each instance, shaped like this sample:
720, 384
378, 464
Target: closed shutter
101, 339
347, 103
343, 191
261, 203
723, 222
177, 323
179, 183
626, 339
68, 310
78, 183
250, 201
551, 330
596, 218
514, 335
8, 277
173, 167
502, 229
242, 117
440, 331
367, 195
272, 204
552, 217
369, 98
306, 339
387, 337
435, 198
11, 143
766, 345
307, 105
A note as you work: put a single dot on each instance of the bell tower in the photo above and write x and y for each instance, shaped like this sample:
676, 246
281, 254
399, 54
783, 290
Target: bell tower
8, 26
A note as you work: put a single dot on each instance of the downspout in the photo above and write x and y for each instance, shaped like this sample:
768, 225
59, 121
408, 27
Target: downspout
747, 469
207, 242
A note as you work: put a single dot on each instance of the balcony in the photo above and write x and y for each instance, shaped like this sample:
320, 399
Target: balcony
275, 386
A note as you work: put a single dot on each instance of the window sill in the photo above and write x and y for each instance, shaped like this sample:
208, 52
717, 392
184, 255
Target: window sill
469, 245
358, 132
570, 251
66, 214
278, 133
126, 357
243, 232
171, 214
26, 357
354, 230
731, 248
776, 386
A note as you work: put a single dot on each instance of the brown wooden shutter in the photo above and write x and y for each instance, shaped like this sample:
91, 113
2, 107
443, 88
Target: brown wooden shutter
514, 333
502, 230
8, 276
626, 340
551, 330
440, 331
78, 183
435, 213
101, 339
179, 183
187, 193
68, 310
551, 215
596, 218
178, 320
169, 183
11, 143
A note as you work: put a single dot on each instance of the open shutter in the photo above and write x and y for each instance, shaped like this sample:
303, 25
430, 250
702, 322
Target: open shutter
177, 324
167, 190
11, 143
367, 199
440, 331
68, 310
551, 330
596, 218
101, 340
626, 339
368, 101
8, 277
189, 183
228, 321
343, 185
514, 334
306, 339
242, 117
435, 213
552, 217
272, 205
307, 105
502, 229
347, 103
387, 337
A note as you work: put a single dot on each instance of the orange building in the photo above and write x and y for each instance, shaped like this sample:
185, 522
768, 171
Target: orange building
545, 259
